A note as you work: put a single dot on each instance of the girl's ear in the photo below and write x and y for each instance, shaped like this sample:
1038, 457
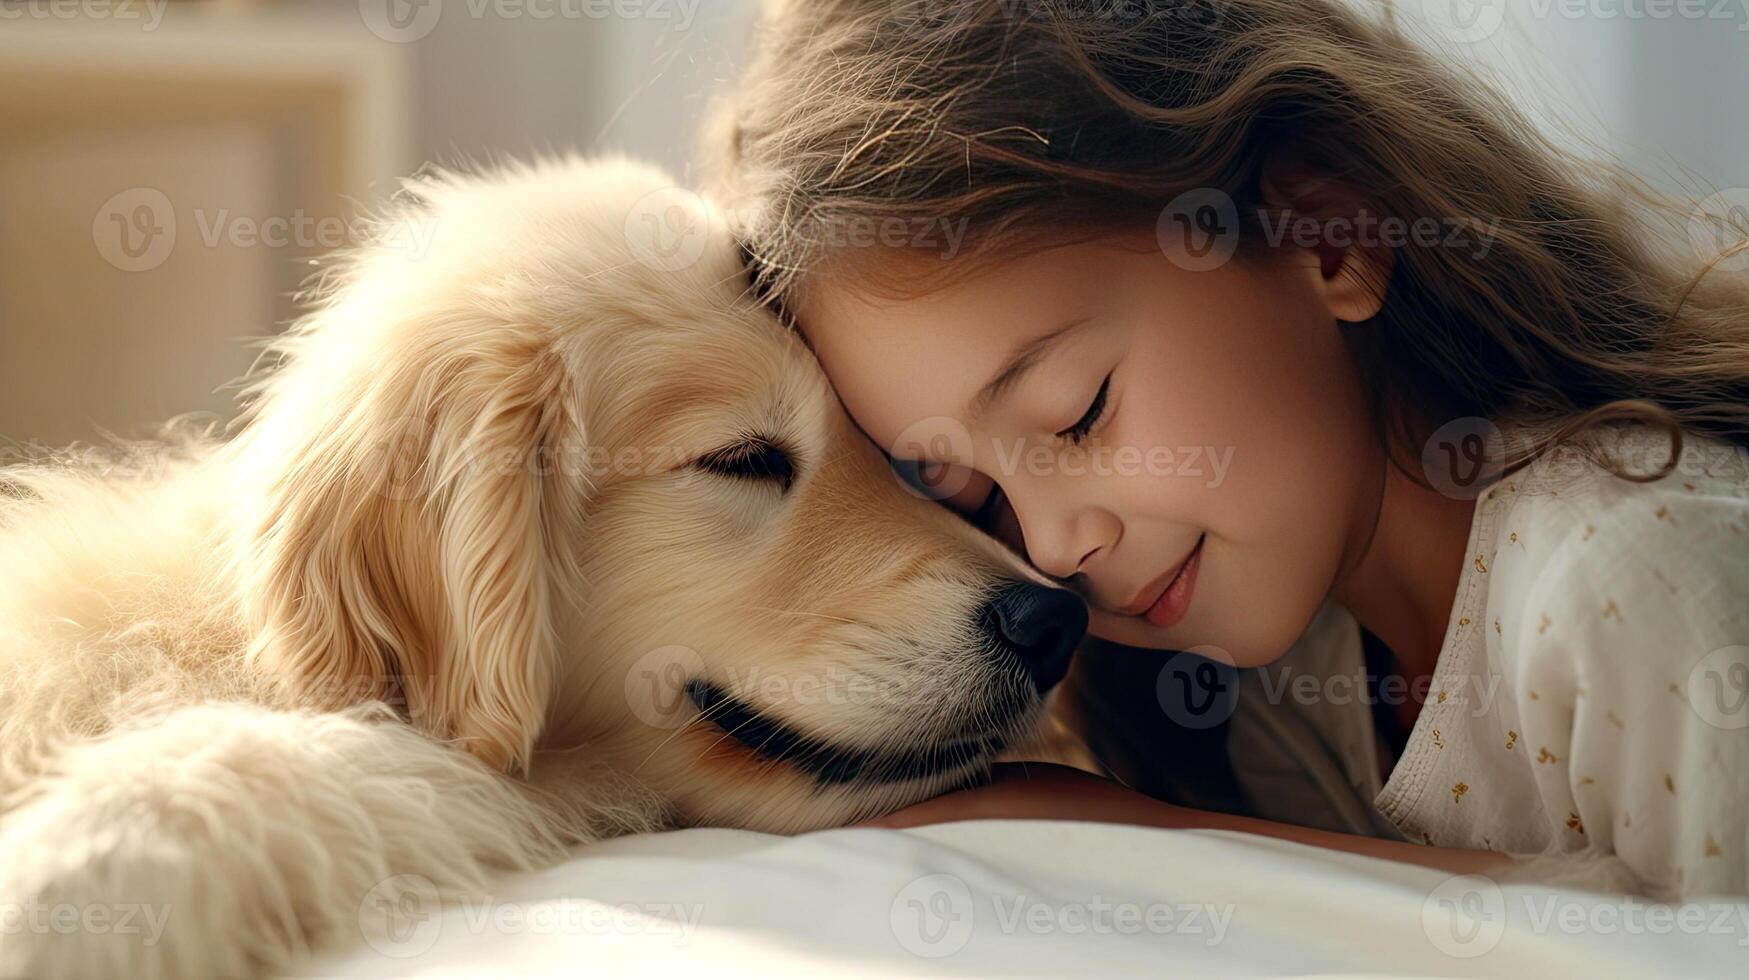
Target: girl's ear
1356, 279
1353, 262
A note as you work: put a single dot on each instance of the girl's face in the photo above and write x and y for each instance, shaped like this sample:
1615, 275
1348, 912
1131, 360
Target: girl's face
1190, 450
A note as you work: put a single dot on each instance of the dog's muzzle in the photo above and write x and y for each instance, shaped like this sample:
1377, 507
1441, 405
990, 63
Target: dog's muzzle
1038, 627
1030, 632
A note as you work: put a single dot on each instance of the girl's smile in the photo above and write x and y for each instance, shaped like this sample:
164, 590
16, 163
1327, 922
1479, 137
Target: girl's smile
1175, 596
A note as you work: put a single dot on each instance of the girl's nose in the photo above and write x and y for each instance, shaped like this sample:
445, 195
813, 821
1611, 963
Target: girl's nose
1063, 539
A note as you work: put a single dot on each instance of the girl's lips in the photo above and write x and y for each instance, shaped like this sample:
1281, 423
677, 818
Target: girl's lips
1174, 601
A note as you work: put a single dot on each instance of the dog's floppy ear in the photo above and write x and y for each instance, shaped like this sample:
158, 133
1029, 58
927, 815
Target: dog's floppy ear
399, 550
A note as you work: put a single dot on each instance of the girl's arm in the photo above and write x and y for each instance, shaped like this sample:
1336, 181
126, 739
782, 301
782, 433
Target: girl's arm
1038, 791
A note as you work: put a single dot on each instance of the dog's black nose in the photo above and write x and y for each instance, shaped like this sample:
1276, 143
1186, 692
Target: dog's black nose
1038, 626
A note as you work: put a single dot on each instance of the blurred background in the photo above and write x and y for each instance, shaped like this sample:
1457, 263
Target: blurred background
168, 168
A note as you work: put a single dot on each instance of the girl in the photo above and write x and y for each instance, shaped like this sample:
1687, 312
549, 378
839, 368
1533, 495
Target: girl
1055, 252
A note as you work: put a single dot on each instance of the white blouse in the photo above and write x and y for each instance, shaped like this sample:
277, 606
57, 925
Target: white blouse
1592, 691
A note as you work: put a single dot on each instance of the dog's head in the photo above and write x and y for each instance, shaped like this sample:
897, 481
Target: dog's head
539, 470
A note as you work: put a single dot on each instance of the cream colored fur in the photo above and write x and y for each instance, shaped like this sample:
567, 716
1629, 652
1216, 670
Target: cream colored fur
403, 620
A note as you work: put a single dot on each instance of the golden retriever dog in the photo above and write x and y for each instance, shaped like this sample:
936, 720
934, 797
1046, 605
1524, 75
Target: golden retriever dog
540, 532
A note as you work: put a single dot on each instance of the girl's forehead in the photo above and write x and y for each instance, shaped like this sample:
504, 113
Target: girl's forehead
897, 362
956, 331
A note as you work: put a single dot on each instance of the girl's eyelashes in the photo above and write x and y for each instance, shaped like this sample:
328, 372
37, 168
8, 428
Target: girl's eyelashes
1078, 432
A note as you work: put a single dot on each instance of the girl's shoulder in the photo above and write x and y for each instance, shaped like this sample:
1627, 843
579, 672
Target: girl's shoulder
1598, 464
1571, 535
1584, 490
1589, 686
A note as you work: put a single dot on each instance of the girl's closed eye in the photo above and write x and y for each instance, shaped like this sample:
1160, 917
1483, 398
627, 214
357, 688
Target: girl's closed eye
1077, 434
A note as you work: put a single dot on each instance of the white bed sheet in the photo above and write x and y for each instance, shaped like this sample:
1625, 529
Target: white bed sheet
1033, 898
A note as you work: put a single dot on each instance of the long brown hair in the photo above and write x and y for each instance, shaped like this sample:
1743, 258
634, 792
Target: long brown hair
1018, 116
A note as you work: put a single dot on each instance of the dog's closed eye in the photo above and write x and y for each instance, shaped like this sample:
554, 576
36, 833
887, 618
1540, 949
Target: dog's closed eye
754, 459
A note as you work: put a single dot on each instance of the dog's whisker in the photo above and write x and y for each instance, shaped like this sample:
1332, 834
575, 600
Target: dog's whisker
803, 612
707, 716
703, 715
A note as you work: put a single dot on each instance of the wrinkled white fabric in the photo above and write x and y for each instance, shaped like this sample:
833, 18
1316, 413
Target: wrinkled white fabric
1036, 899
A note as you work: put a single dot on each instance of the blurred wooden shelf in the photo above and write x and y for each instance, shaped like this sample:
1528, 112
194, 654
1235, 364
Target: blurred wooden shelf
236, 120
202, 65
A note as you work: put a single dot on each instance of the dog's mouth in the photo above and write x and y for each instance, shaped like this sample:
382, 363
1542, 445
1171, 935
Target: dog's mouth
833, 765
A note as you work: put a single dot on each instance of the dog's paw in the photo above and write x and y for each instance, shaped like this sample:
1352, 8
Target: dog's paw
229, 840
85, 892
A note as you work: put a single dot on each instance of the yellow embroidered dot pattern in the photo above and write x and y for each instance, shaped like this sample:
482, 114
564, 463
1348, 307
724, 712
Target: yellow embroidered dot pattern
1544, 756
1574, 823
1458, 790
1511, 738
